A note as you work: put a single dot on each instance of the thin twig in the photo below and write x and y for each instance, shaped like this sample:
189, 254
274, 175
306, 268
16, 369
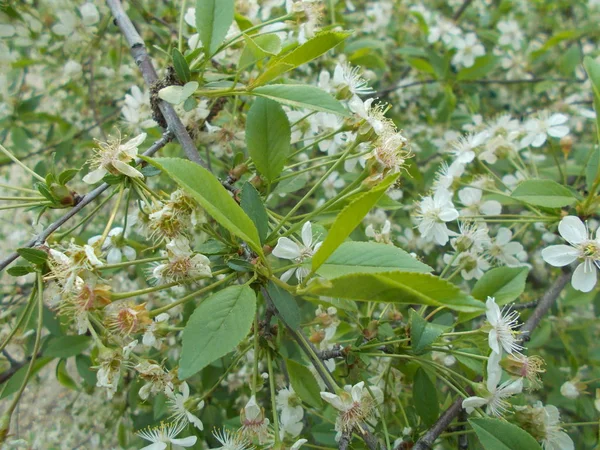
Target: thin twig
142, 59
85, 200
461, 10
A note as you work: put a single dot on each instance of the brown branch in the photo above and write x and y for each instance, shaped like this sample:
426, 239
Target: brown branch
461, 10
85, 200
545, 303
142, 59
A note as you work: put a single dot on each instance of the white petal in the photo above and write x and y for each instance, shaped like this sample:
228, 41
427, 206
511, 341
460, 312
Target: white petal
333, 400
584, 277
448, 215
572, 229
516, 387
286, 249
493, 341
539, 140
494, 371
155, 446
492, 311
126, 169
95, 176
559, 255
558, 132
185, 442
287, 275
114, 256
491, 208
557, 119
473, 402
129, 253
307, 234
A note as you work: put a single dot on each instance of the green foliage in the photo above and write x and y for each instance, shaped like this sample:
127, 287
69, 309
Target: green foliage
497, 434
213, 18
301, 96
66, 346
216, 327
425, 397
423, 333
545, 193
304, 383
505, 284
253, 206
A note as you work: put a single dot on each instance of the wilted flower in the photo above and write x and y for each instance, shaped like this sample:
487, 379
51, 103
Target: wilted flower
181, 405
182, 263
255, 425
114, 157
115, 245
543, 423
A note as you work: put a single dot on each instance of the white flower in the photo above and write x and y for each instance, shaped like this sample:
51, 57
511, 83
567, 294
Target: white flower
510, 34
434, 212
149, 339
181, 263
115, 244
231, 441
288, 249
583, 248
382, 236
89, 14
114, 157
179, 405
164, 435
502, 335
136, 110
346, 76
290, 405
331, 184
464, 147
471, 198
468, 49
254, 423
540, 128
505, 251
570, 390
372, 114
555, 438
495, 402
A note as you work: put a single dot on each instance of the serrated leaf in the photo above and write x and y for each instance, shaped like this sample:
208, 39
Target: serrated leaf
214, 329
66, 346
212, 196
592, 168
33, 255
301, 96
425, 397
268, 137
397, 287
67, 175
313, 48
213, 19
181, 66
497, 434
423, 333
285, 304
505, 284
304, 384
178, 94
545, 193
348, 219
365, 257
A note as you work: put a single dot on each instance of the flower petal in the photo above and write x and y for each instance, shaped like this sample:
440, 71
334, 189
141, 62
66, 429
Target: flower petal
473, 402
559, 255
126, 169
94, 176
307, 234
286, 249
185, 442
584, 277
572, 229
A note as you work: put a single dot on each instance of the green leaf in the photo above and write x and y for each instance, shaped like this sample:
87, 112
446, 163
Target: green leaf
66, 346
593, 70
425, 397
212, 196
304, 384
259, 47
67, 175
365, 257
268, 137
83, 364
482, 66
63, 376
313, 48
348, 219
217, 325
545, 193
397, 287
592, 168
14, 383
178, 94
505, 284
423, 333
497, 434
20, 270
253, 206
301, 96
285, 304
213, 18
33, 255
181, 66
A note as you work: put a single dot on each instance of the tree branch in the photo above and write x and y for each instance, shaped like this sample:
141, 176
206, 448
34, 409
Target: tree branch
142, 59
545, 303
85, 200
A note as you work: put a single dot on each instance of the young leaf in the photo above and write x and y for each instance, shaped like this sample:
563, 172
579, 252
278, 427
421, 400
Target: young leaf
285, 304
252, 205
181, 66
212, 196
63, 377
593, 70
397, 287
213, 18
83, 364
259, 47
348, 219
301, 96
67, 175
66, 346
425, 397
311, 49
178, 94
365, 257
304, 384
268, 136
423, 333
20, 270
497, 434
545, 193
505, 284
34, 256
216, 327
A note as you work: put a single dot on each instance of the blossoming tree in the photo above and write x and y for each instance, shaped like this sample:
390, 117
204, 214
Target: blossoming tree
301, 223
